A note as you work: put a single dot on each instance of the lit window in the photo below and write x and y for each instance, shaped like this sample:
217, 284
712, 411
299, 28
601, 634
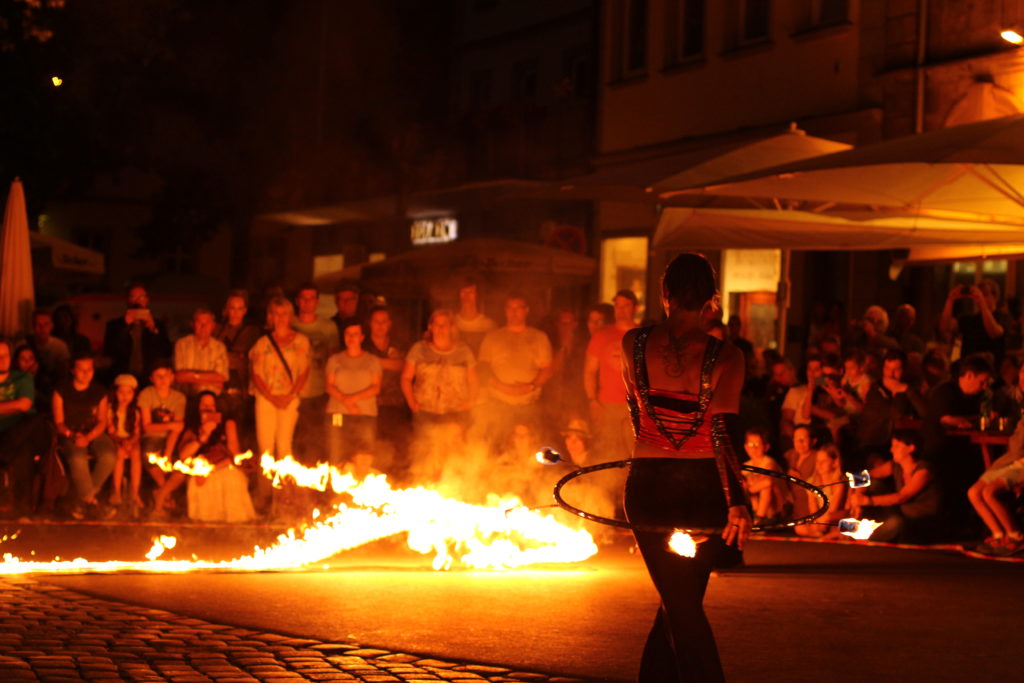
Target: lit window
624, 266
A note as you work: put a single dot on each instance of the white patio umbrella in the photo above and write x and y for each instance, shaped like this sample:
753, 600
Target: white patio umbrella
646, 181
17, 295
973, 172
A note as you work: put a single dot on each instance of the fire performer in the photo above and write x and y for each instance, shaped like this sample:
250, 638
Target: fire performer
683, 388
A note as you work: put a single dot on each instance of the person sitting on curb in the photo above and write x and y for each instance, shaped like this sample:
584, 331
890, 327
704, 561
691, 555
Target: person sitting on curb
911, 513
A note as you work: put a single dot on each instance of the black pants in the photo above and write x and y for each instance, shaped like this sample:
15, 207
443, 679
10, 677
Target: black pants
18, 447
683, 493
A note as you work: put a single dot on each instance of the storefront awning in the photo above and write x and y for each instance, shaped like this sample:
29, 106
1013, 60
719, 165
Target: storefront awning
65, 255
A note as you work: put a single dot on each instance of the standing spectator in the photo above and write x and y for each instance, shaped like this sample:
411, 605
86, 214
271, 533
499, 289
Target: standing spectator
22, 431
237, 337
163, 417
982, 329
279, 369
353, 381
80, 413
517, 362
323, 336
602, 380
65, 328
200, 361
393, 416
599, 316
470, 321
911, 513
52, 353
439, 382
563, 394
124, 425
346, 299
875, 325
137, 339
735, 330
903, 329
956, 405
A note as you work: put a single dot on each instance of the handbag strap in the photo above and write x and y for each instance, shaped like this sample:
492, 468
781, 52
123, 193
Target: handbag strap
287, 368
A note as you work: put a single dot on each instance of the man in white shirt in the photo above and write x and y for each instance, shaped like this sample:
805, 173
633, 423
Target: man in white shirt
200, 361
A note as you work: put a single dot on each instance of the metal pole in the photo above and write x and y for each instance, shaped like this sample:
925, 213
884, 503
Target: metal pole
783, 300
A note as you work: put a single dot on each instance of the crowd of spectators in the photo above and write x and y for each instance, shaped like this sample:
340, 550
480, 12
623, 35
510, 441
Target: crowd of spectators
921, 412
874, 393
89, 431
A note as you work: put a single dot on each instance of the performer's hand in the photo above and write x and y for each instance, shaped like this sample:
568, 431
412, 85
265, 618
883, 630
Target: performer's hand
737, 530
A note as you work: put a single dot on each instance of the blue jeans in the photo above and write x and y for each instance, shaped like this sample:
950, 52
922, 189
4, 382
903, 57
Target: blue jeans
87, 483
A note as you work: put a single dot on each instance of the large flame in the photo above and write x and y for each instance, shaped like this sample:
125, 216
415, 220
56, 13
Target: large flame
457, 533
681, 543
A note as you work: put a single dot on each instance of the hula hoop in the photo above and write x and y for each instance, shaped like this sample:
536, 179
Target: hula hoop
822, 498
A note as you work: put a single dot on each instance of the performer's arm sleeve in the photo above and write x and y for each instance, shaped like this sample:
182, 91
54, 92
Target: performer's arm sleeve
727, 437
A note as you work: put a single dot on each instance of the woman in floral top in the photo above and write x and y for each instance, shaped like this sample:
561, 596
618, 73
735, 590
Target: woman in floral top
278, 375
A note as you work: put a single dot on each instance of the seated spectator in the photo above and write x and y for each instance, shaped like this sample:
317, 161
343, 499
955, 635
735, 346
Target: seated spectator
124, 425
136, 340
828, 470
800, 463
956, 406
65, 328
856, 380
23, 432
25, 360
982, 328
163, 417
238, 337
797, 406
51, 352
200, 361
911, 513
80, 413
836, 401
353, 378
768, 495
888, 402
470, 320
1008, 396
994, 498
223, 496
934, 371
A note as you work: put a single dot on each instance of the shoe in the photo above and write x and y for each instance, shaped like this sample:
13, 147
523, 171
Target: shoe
996, 547
78, 511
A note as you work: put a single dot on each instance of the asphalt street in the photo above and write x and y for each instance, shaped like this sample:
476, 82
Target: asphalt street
798, 612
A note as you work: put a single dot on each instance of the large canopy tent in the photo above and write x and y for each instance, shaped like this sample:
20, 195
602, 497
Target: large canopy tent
943, 195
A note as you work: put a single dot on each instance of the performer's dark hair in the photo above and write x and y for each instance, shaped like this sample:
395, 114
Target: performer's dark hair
910, 437
689, 281
976, 363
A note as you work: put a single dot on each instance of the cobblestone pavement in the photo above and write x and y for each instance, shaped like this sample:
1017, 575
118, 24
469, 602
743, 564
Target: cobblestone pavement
51, 634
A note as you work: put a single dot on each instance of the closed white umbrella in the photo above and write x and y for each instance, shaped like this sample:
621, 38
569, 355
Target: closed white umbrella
17, 294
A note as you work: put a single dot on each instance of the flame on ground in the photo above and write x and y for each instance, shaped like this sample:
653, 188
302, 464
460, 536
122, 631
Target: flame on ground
457, 534
860, 529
